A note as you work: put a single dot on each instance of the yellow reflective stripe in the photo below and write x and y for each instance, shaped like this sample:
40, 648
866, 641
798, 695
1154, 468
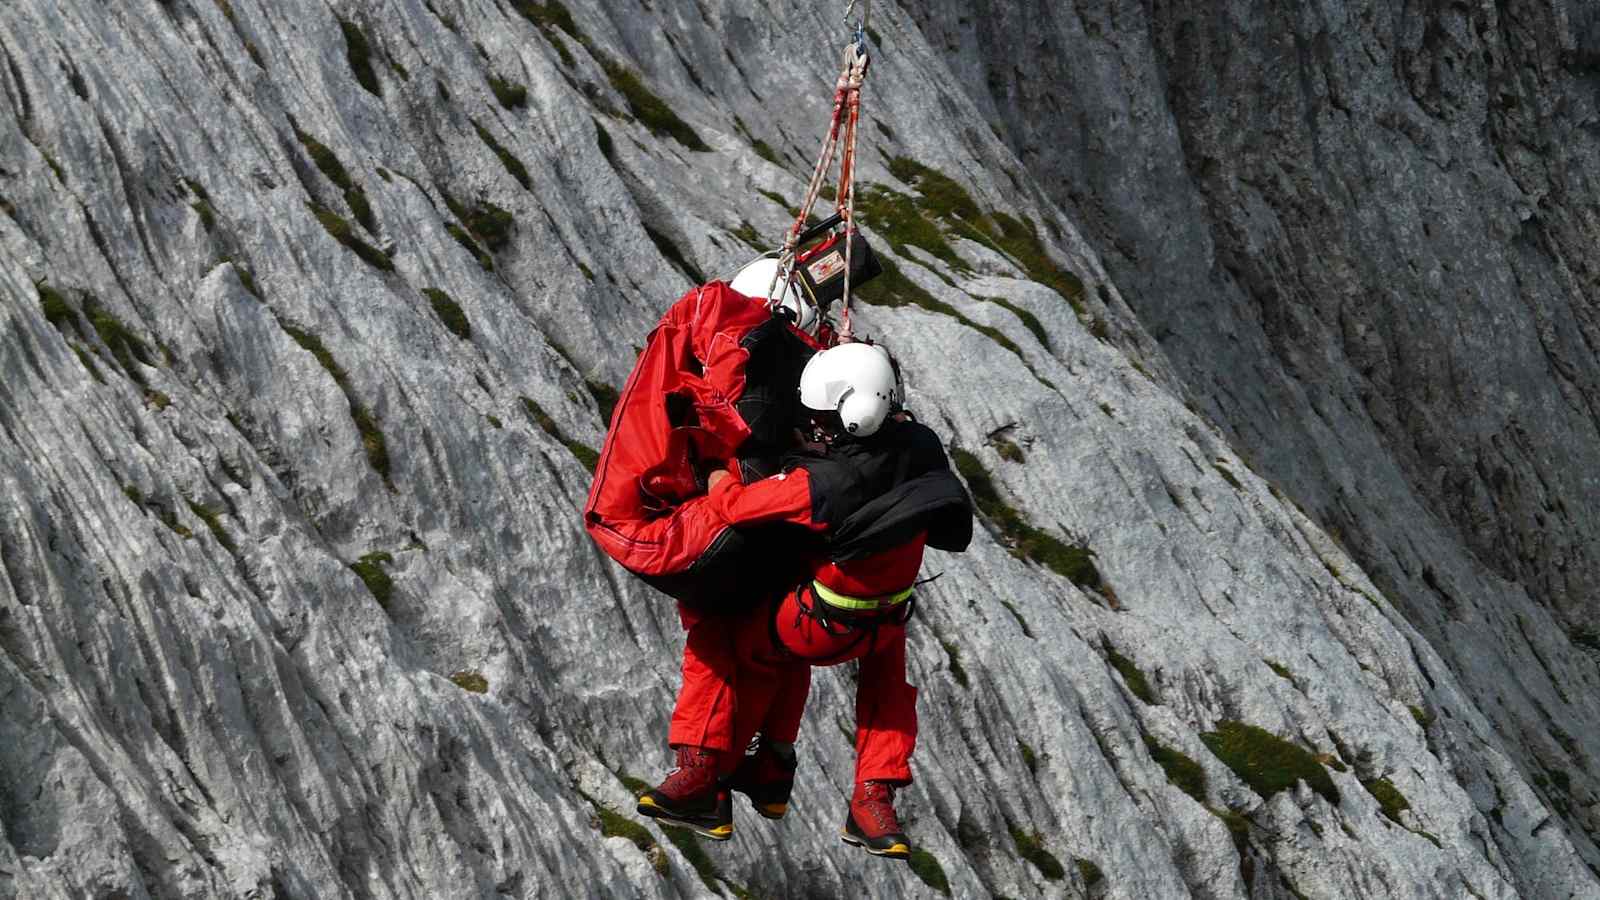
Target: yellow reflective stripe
845, 601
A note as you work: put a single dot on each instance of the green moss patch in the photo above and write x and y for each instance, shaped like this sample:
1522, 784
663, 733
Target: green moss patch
1280, 670
488, 223
50, 161
465, 240
88, 363
1131, 674
1029, 758
615, 825
358, 51
683, 839
372, 440
635, 786
777, 198
1238, 827
1227, 475
509, 94
942, 196
956, 671
1008, 450
1089, 872
926, 867
583, 452
549, 16
1021, 622
1020, 241
1075, 563
1266, 762
201, 204
1028, 319
507, 158
169, 518
57, 309
470, 681
651, 111
327, 162
947, 207
1389, 798
898, 218
894, 289
1182, 771
449, 312
369, 569
1333, 762
247, 279
747, 233
126, 347
765, 151
1031, 848
213, 519
1423, 717
339, 229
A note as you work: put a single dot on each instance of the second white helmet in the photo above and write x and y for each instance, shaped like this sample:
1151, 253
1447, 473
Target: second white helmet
857, 381
755, 279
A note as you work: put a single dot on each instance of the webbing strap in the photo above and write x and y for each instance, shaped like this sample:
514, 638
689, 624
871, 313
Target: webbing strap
841, 128
844, 601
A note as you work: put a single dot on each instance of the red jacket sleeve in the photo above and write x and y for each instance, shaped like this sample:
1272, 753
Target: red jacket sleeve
781, 498
719, 321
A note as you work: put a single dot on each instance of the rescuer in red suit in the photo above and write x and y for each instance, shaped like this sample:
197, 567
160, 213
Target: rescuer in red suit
714, 384
876, 485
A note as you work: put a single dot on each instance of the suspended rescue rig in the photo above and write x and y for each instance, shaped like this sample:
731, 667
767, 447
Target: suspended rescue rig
716, 387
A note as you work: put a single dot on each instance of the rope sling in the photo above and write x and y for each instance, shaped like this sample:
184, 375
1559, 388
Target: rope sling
841, 130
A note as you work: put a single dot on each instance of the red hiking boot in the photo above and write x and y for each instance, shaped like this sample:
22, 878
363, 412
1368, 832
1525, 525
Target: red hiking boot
872, 824
766, 777
691, 796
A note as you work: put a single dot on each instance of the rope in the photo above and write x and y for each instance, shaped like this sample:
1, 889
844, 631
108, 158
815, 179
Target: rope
847, 186
845, 118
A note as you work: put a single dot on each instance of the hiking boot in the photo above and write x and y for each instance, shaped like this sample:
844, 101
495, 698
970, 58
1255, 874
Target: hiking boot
691, 796
766, 777
872, 825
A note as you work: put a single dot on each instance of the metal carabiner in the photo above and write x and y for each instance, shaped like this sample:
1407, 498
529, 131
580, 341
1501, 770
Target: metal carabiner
861, 26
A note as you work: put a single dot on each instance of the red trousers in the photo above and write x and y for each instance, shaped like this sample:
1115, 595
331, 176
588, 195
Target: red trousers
738, 680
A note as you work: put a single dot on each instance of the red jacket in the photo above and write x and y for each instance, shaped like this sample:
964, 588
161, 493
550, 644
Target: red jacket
677, 413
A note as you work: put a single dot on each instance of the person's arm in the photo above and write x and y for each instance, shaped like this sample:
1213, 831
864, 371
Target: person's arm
782, 498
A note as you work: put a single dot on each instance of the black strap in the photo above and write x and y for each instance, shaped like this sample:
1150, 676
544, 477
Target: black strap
803, 610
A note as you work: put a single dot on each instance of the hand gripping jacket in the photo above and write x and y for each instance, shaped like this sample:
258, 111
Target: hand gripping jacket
715, 382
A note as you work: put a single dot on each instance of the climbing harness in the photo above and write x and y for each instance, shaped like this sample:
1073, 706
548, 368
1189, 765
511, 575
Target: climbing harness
861, 625
822, 265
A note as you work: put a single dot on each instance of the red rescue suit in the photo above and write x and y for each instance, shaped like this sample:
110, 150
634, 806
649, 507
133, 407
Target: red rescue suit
777, 646
880, 500
716, 381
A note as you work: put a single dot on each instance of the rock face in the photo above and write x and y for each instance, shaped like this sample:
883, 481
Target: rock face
311, 316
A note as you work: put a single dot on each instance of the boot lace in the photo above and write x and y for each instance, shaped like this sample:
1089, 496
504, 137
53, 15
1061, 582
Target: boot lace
877, 798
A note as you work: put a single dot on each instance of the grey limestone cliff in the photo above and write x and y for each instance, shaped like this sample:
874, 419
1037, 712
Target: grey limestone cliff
1262, 334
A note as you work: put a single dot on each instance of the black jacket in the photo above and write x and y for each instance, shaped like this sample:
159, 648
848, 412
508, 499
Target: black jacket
883, 490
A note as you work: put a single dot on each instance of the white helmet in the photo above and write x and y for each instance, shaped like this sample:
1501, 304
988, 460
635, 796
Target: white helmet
856, 380
755, 279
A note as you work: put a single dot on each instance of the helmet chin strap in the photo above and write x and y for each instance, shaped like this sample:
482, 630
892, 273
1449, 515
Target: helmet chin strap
838, 407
